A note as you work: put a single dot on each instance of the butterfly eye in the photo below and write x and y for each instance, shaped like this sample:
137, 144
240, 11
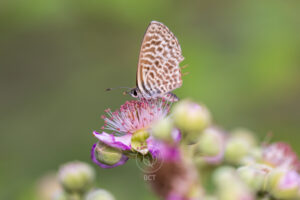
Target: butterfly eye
134, 93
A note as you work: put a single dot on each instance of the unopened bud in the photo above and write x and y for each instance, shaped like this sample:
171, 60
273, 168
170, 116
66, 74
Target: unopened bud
211, 145
76, 176
224, 175
107, 155
246, 135
162, 129
61, 195
284, 184
99, 194
255, 176
191, 117
48, 187
230, 186
238, 146
209, 197
67, 196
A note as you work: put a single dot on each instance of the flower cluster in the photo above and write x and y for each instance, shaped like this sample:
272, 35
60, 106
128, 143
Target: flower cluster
74, 181
192, 158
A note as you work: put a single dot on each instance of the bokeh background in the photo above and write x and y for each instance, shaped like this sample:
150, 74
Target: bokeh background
58, 56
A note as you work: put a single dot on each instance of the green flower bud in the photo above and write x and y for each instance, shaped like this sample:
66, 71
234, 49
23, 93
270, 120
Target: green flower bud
76, 176
229, 185
48, 187
191, 119
284, 184
99, 194
107, 155
254, 155
238, 146
138, 141
245, 134
224, 175
61, 195
210, 198
162, 129
210, 142
255, 176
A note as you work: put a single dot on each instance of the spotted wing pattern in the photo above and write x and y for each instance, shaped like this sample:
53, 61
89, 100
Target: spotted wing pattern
158, 68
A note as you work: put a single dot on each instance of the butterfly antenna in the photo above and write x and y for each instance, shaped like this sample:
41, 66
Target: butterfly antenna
267, 138
110, 89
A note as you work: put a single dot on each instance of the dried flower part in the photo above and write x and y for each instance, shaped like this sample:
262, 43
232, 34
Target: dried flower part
135, 115
175, 180
281, 155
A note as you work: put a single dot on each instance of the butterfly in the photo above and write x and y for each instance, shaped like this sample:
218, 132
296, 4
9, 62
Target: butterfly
158, 71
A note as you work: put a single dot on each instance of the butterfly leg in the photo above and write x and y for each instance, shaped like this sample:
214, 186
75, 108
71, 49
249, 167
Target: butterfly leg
170, 97
185, 73
185, 66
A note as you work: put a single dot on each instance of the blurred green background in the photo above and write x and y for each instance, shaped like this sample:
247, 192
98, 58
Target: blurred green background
58, 56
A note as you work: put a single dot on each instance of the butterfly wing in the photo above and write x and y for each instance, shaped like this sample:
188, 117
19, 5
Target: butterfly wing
158, 67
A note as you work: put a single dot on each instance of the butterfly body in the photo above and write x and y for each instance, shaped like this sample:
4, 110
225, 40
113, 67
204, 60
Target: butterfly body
136, 93
158, 67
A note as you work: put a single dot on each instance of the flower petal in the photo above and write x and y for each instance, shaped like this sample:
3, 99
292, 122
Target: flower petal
163, 150
122, 161
119, 142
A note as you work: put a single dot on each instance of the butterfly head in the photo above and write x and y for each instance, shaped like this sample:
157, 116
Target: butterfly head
135, 93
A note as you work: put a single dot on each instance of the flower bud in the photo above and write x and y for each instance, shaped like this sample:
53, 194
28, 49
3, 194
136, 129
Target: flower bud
76, 176
191, 118
66, 196
107, 155
223, 175
210, 198
284, 183
230, 186
99, 194
246, 135
254, 155
48, 187
238, 146
211, 145
60, 196
162, 129
255, 176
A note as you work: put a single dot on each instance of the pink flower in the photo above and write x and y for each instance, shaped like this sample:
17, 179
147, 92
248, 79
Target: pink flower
130, 126
281, 155
135, 115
